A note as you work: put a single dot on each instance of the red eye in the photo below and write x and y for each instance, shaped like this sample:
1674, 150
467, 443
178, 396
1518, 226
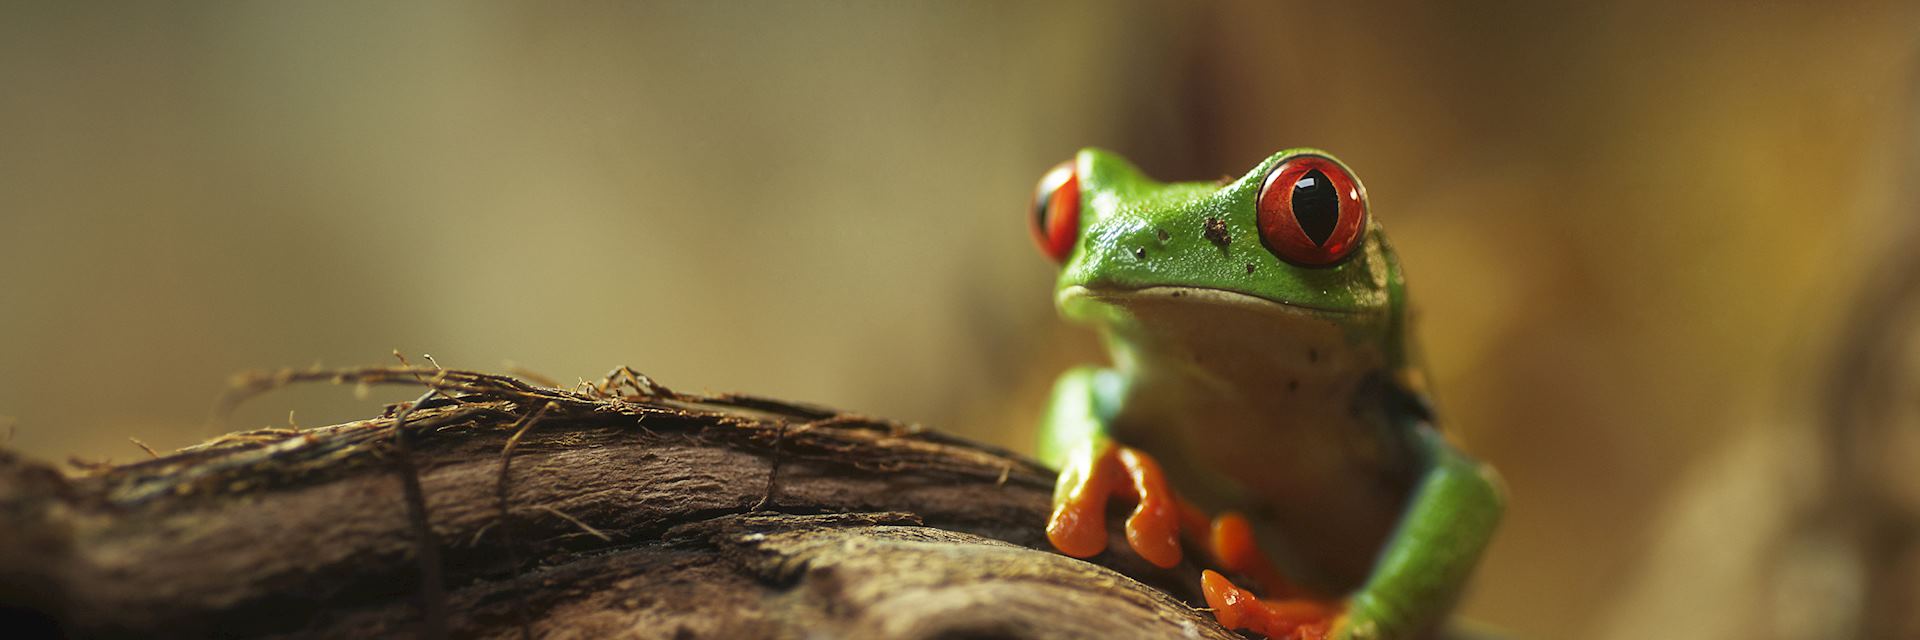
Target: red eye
1312, 211
1056, 212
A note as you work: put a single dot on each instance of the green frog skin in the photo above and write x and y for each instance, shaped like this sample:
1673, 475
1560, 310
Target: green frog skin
1261, 372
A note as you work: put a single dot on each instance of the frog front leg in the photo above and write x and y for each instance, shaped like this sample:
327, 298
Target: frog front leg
1094, 469
1419, 573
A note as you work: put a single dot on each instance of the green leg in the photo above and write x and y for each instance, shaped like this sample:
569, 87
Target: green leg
1076, 419
1426, 564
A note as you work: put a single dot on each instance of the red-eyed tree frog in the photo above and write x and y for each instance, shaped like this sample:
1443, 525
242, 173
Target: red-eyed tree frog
1262, 373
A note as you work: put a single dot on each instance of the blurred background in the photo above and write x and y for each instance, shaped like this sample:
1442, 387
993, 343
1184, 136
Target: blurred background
1664, 253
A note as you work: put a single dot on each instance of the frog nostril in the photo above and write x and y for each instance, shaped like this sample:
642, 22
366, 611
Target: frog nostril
1140, 253
1162, 235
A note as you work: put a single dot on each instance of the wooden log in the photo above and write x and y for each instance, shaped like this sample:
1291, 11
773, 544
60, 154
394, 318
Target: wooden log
621, 509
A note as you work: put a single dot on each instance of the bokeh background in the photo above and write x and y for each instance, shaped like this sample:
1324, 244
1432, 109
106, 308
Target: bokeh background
1662, 251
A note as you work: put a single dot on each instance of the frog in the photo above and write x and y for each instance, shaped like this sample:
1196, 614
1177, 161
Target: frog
1264, 408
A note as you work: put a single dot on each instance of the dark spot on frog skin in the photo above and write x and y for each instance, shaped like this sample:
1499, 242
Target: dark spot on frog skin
1249, 268
1161, 234
1215, 230
1140, 253
1313, 355
1293, 385
1177, 294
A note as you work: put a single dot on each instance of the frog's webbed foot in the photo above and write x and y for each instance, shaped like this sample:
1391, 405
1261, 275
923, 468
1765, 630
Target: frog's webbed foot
1288, 619
1078, 526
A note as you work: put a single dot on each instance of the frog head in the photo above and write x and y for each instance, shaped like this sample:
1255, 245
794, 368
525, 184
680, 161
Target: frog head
1291, 242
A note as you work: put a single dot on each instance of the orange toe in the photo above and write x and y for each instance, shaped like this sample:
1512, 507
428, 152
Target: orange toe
1154, 528
1234, 548
1224, 598
1236, 608
1232, 542
1079, 528
1078, 524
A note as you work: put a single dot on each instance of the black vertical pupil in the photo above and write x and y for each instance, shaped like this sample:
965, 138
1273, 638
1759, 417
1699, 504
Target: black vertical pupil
1316, 206
1040, 209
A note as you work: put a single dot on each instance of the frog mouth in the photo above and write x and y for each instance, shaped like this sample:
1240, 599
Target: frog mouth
1223, 336
1195, 295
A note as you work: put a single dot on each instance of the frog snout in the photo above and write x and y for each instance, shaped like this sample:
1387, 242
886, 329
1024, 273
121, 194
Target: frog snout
1123, 245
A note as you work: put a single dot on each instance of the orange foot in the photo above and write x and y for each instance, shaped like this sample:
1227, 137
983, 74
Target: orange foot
1078, 526
1290, 619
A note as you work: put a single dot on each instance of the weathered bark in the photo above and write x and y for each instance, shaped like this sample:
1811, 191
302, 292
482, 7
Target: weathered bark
634, 512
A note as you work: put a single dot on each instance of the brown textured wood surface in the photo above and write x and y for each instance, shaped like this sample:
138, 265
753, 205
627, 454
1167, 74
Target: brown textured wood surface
634, 512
